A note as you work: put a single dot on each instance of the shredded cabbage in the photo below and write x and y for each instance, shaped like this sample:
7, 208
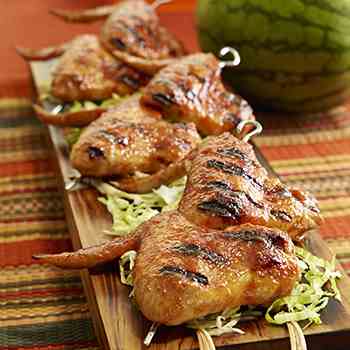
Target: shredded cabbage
129, 210
56, 106
309, 296
90, 105
126, 264
72, 135
225, 322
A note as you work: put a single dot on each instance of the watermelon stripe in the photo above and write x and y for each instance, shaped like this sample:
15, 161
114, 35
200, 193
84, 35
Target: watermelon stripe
331, 6
296, 12
295, 55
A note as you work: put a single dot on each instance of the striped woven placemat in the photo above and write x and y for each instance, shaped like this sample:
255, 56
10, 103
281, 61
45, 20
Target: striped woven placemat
44, 308
41, 307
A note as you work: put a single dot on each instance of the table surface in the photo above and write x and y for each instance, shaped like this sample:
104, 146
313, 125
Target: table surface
44, 308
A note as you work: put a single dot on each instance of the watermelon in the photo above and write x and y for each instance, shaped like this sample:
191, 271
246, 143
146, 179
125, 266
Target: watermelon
295, 53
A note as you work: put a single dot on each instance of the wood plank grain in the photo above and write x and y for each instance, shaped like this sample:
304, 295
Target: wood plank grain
117, 322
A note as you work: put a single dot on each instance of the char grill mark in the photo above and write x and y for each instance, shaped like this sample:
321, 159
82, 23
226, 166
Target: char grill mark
163, 99
118, 43
95, 152
232, 169
223, 186
195, 250
222, 207
234, 152
257, 236
282, 215
192, 276
130, 81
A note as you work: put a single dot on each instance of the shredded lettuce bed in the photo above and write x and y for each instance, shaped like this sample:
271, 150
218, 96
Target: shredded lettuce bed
72, 135
77, 106
126, 264
56, 106
129, 210
305, 303
308, 298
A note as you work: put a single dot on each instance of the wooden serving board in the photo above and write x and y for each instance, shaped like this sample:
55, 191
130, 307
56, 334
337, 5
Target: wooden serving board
118, 324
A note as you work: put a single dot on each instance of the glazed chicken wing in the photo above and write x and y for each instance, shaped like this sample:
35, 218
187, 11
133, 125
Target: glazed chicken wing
129, 139
85, 71
191, 90
227, 186
222, 248
133, 34
184, 271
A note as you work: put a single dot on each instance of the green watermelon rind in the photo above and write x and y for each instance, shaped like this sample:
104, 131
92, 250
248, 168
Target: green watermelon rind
307, 71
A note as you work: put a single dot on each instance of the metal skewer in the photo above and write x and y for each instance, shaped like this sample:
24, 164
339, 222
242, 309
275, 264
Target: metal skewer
258, 129
236, 57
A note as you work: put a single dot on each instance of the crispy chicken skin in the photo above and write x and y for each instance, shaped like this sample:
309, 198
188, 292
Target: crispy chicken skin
184, 271
227, 186
129, 139
87, 72
191, 90
132, 33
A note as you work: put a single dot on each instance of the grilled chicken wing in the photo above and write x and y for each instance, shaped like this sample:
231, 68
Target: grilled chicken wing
222, 248
87, 72
227, 186
191, 90
184, 271
129, 139
133, 34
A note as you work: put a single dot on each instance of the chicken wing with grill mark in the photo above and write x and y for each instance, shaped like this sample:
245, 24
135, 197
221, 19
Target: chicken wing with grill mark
184, 271
133, 34
191, 90
129, 139
222, 248
227, 186
86, 71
